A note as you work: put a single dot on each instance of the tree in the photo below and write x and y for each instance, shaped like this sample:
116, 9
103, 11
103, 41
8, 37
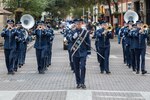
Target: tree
33, 7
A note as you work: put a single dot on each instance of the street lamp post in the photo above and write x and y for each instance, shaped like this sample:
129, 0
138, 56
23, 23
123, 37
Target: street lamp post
18, 11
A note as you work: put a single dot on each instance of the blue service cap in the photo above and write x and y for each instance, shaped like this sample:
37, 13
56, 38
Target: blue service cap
40, 22
139, 22
71, 22
130, 22
18, 23
100, 22
103, 22
78, 20
10, 21
133, 25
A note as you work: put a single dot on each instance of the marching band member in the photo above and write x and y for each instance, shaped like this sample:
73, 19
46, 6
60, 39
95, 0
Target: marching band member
122, 36
21, 45
140, 47
50, 42
104, 35
41, 46
79, 53
132, 47
9, 34
128, 43
97, 41
69, 33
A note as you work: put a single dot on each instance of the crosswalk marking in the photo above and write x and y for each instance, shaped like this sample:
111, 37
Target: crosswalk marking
7, 95
81, 94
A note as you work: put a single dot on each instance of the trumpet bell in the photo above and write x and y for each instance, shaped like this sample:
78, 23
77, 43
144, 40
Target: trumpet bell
131, 16
109, 28
27, 21
145, 27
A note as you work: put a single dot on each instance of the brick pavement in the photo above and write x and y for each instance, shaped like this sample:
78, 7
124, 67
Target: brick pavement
58, 81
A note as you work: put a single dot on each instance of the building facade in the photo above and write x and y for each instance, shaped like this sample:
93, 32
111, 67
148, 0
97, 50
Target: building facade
142, 7
4, 15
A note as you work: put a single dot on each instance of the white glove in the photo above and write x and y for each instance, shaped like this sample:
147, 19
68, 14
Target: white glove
88, 56
75, 35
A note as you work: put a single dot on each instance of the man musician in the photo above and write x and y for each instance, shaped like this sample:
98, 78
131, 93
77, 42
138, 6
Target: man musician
41, 45
80, 50
103, 35
9, 34
21, 42
139, 36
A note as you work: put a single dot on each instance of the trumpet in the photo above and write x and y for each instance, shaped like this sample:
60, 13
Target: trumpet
109, 28
9, 28
145, 27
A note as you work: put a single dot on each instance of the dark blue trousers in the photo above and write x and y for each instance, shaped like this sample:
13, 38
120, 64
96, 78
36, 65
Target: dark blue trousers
80, 69
10, 59
16, 59
128, 55
133, 59
70, 60
50, 54
97, 49
124, 53
104, 63
140, 58
41, 56
24, 53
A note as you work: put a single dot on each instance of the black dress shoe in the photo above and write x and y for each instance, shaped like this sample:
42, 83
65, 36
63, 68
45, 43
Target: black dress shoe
46, 68
78, 86
134, 70
144, 72
137, 72
108, 72
11, 73
15, 70
102, 72
19, 66
83, 86
41, 72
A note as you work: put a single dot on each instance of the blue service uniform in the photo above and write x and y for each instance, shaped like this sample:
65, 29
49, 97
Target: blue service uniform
140, 49
9, 47
69, 34
79, 58
96, 45
133, 45
41, 48
122, 36
128, 45
21, 46
50, 42
104, 49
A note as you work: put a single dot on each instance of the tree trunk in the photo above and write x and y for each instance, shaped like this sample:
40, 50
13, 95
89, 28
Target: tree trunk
110, 13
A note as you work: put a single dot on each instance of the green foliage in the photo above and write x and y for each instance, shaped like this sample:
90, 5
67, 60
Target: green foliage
56, 7
34, 7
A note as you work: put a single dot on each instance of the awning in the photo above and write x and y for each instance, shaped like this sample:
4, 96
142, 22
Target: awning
5, 12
